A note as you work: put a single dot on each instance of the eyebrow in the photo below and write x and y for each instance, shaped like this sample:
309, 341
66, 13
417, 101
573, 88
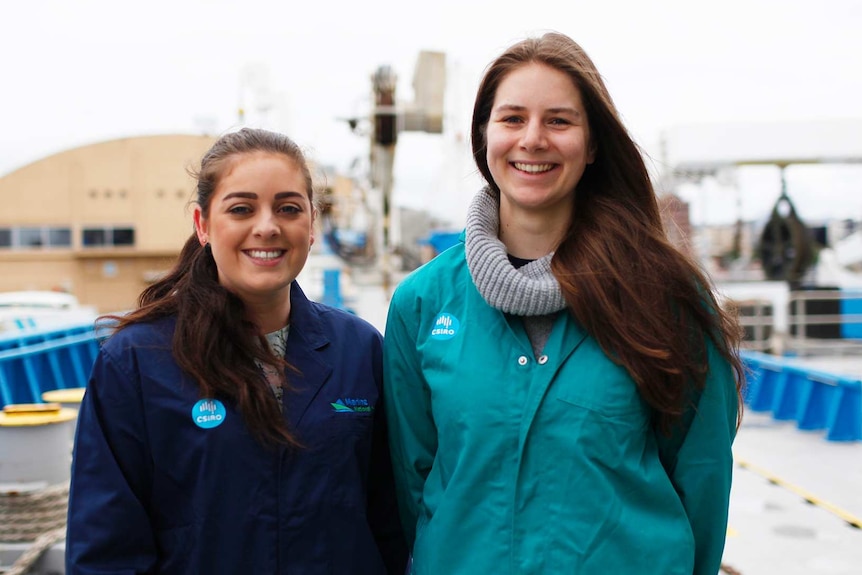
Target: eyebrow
516, 108
253, 196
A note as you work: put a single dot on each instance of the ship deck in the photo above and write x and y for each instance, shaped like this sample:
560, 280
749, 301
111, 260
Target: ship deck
796, 501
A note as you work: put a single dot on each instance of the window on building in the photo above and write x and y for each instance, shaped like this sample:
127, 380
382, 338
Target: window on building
124, 237
30, 238
108, 236
59, 237
94, 237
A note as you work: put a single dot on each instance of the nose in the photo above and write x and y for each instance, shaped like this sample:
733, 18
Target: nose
534, 136
265, 225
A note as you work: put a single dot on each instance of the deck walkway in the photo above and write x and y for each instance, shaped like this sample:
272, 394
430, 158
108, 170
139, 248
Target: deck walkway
794, 503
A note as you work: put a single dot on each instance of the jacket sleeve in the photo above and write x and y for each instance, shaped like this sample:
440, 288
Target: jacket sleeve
383, 514
412, 432
704, 465
108, 527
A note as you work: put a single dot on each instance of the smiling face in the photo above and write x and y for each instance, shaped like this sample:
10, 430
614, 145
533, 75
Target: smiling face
260, 227
538, 142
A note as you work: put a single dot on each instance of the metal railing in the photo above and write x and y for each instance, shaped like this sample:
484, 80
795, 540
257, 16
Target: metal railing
819, 322
36, 361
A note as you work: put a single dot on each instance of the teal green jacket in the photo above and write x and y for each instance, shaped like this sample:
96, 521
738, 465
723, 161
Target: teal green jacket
513, 465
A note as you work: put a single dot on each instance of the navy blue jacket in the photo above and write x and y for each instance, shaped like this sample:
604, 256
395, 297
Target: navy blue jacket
163, 482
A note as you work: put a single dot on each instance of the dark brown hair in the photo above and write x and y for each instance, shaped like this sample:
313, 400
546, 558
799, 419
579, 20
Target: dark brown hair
213, 342
647, 304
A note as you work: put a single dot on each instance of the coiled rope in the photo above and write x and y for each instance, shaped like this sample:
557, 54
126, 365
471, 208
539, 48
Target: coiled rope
38, 516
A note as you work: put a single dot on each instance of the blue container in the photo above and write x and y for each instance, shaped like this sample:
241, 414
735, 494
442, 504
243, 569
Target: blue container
441, 241
44, 360
851, 304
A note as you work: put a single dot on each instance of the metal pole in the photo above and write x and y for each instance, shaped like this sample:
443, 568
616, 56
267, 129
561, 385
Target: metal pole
384, 138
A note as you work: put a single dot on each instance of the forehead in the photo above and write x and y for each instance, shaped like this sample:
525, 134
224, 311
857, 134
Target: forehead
537, 84
256, 161
262, 169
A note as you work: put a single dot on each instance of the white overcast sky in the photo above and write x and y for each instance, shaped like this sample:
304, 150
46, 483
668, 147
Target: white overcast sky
75, 72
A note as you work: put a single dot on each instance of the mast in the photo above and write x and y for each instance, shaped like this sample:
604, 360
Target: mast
383, 140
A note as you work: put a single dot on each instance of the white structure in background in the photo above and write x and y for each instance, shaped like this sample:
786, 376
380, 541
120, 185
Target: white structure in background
830, 271
709, 154
42, 309
385, 120
388, 117
832, 265
425, 112
848, 251
705, 149
696, 153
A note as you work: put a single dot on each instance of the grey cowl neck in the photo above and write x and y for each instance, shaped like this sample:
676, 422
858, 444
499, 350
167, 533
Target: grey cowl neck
526, 291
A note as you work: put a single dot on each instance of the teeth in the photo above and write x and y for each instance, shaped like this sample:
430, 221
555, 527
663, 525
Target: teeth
264, 254
533, 168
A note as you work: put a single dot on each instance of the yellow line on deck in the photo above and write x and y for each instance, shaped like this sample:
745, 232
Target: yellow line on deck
806, 495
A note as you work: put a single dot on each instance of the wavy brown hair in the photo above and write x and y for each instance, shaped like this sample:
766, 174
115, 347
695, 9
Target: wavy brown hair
647, 304
213, 342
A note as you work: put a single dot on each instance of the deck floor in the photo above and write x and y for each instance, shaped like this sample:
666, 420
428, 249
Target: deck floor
794, 501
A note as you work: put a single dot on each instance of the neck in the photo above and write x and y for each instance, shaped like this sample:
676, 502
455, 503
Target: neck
270, 315
530, 235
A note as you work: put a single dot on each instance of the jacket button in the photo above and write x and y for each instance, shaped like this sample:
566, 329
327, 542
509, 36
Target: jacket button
522, 360
543, 359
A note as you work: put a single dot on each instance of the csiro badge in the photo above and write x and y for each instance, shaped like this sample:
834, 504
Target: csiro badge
208, 413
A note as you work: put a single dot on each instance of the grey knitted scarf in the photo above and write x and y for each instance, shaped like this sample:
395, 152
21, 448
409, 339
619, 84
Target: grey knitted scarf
526, 291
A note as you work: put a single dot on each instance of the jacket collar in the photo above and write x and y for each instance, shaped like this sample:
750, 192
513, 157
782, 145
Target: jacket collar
304, 318
304, 344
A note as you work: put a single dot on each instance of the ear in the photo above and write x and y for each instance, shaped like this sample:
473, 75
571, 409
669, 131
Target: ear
591, 151
201, 226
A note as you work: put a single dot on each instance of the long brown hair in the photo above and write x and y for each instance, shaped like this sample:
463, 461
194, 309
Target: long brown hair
213, 342
647, 304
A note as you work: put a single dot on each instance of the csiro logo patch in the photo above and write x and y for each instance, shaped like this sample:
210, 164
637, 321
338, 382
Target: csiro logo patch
445, 326
208, 413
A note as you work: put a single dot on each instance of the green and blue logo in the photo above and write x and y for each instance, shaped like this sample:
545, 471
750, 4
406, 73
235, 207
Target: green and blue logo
352, 405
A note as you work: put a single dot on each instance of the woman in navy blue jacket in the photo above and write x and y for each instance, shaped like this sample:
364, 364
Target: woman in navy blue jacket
231, 425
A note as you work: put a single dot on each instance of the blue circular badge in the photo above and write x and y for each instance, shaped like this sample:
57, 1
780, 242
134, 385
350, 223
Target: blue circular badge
208, 413
445, 326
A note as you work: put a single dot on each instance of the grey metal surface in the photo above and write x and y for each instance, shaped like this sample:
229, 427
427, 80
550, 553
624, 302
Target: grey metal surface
774, 528
52, 561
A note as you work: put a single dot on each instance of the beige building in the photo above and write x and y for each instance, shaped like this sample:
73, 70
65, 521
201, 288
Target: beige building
100, 221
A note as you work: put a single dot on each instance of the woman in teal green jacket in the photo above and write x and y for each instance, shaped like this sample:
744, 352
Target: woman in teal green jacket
563, 389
